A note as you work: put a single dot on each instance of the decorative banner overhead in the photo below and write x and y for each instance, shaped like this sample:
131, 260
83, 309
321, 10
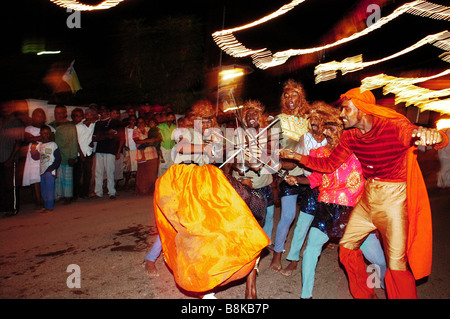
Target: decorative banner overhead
327, 71
263, 58
77, 6
405, 91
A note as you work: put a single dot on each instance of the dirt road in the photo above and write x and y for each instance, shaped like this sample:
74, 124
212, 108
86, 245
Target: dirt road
108, 240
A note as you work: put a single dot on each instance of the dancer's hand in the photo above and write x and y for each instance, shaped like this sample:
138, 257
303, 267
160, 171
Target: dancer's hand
291, 180
287, 153
427, 136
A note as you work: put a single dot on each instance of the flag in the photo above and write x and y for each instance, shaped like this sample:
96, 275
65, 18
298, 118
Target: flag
71, 78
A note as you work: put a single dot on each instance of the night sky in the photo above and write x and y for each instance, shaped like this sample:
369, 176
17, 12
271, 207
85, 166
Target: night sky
303, 27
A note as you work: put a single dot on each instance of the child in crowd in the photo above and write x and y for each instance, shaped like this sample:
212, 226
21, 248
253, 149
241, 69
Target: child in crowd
50, 159
31, 173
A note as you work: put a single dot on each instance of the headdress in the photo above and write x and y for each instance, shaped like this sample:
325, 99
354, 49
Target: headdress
303, 107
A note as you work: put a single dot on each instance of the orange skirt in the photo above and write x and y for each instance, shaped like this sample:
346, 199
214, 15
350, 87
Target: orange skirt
208, 234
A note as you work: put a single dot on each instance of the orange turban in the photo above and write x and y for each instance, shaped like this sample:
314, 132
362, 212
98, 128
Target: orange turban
419, 246
365, 101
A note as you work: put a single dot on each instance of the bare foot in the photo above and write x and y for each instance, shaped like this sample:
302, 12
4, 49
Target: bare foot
289, 269
275, 265
150, 268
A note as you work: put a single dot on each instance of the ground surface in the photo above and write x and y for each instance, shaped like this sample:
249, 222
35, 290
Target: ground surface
108, 240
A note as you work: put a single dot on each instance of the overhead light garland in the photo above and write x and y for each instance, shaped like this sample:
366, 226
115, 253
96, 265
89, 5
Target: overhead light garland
263, 58
405, 91
380, 80
443, 124
77, 6
328, 71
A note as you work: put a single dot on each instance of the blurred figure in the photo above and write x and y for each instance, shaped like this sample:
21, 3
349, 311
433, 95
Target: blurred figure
118, 169
166, 128
84, 166
67, 141
443, 178
11, 137
31, 173
130, 111
129, 153
77, 116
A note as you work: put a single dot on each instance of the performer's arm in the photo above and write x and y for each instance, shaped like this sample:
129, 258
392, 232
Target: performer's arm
412, 134
430, 136
292, 180
322, 164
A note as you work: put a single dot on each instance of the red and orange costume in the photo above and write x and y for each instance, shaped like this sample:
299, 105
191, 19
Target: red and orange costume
403, 215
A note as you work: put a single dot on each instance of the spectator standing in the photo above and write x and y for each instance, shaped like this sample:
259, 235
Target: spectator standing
107, 135
147, 159
49, 158
166, 129
67, 141
130, 150
84, 166
31, 173
77, 116
11, 136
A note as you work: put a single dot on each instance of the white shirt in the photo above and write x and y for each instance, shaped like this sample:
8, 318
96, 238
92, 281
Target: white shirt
306, 143
129, 142
84, 134
47, 151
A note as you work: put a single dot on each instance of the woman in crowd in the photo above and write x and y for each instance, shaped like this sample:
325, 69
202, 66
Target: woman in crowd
147, 159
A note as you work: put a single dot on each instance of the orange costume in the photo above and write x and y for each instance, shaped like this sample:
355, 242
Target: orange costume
419, 245
208, 234
395, 199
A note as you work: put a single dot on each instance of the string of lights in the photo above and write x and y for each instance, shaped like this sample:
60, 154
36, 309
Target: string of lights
328, 71
263, 58
77, 6
405, 91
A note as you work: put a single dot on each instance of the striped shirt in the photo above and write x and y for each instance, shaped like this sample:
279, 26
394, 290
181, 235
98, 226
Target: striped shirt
381, 151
